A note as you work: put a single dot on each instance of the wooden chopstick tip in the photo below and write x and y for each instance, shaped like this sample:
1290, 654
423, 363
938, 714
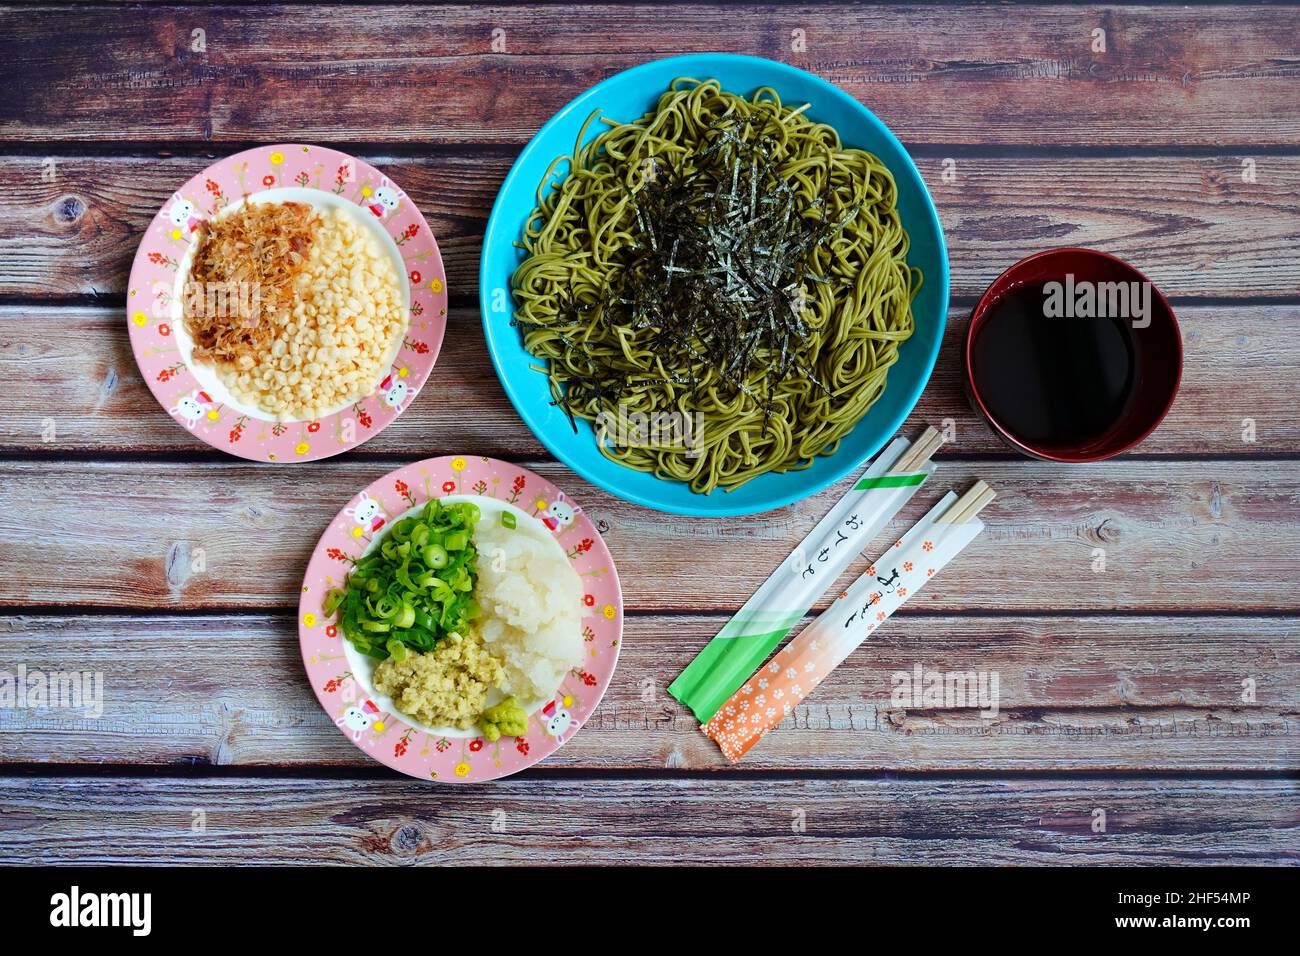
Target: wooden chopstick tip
920, 451
969, 504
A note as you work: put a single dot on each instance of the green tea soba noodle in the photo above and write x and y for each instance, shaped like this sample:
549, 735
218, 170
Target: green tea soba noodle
725, 275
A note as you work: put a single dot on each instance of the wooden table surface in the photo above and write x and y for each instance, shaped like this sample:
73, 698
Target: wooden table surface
1159, 696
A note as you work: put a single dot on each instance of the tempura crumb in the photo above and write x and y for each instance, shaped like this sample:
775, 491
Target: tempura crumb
333, 345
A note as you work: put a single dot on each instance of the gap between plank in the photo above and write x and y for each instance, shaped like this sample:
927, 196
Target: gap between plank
219, 612
724, 774
378, 153
35, 455
467, 302
28, 6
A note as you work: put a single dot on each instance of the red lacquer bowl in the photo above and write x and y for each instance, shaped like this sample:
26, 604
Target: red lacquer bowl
1157, 354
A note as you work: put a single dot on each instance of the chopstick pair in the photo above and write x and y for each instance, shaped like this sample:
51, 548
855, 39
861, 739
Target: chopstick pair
780, 603
778, 687
969, 504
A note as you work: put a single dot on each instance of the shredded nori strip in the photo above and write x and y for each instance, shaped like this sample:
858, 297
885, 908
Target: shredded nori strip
721, 257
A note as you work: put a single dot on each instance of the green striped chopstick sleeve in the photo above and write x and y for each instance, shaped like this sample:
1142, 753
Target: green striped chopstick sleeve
743, 643
891, 481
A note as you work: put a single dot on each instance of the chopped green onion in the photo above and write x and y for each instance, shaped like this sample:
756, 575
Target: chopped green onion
405, 617
415, 587
332, 601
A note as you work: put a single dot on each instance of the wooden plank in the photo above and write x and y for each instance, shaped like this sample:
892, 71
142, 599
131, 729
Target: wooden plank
1139, 694
549, 822
103, 405
1176, 536
1168, 75
70, 225
86, 385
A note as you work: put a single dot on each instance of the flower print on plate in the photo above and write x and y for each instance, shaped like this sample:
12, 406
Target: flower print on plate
340, 679
192, 394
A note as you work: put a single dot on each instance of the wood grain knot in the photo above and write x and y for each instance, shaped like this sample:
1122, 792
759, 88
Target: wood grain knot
1216, 500
69, 209
177, 565
406, 839
1106, 532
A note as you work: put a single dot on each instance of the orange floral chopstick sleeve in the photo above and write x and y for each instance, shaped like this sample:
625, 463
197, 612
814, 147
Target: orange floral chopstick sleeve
767, 698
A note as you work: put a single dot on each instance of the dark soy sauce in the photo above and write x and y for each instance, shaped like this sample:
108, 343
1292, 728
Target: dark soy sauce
1055, 382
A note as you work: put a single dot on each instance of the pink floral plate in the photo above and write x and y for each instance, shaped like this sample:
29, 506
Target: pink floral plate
341, 677
192, 394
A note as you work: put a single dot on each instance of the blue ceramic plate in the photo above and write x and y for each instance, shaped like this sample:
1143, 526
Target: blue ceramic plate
628, 96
